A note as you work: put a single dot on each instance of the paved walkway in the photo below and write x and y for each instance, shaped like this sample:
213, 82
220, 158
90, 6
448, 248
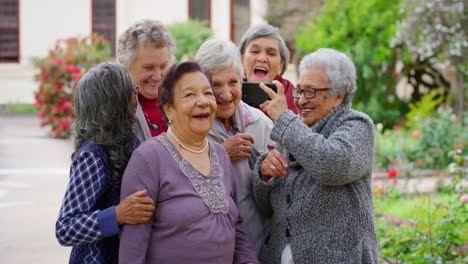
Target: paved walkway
33, 176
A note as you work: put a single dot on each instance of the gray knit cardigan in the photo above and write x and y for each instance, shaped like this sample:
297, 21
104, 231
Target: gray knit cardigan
323, 206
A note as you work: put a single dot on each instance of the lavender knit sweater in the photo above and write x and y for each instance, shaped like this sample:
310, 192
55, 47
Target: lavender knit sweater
323, 206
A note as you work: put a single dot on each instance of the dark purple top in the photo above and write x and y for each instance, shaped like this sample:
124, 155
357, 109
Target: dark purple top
196, 218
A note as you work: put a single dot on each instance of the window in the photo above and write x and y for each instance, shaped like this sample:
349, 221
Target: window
104, 20
240, 18
9, 31
200, 10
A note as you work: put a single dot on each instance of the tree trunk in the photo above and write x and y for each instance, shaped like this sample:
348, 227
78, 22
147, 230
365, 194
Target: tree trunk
460, 101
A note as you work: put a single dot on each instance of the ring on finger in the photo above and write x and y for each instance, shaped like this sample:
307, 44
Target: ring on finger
272, 167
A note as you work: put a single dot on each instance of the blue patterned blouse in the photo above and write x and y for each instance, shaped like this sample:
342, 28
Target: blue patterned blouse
87, 216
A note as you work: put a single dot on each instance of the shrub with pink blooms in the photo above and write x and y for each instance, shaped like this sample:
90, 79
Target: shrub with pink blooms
59, 72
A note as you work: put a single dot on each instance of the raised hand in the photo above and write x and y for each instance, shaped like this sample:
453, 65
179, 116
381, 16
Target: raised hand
278, 102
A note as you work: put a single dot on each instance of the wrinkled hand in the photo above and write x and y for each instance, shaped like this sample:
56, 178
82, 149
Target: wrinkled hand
239, 146
278, 102
135, 209
274, 165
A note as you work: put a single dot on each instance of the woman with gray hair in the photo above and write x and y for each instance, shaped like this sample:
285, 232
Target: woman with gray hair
243, 131
265, 58
146, 49
90, 216
317, 183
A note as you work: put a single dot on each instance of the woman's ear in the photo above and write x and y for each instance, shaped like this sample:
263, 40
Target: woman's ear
339, 100
168, 111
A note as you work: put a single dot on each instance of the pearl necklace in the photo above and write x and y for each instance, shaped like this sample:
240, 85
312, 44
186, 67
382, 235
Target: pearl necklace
185, 147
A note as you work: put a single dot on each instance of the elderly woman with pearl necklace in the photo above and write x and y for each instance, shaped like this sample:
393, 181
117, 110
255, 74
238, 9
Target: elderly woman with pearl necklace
190, 178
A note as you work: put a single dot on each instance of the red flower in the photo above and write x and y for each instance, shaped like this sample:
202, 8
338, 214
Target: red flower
415, 134
76, 77
55, 120
38, 102
43, 113
396, 127
392, 173
56, 108
57, 62
72, 69
65, 124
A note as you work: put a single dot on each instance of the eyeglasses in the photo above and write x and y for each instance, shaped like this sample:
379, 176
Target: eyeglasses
309, 93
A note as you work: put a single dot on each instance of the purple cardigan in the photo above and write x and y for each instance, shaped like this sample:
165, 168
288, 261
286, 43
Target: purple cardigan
196, 218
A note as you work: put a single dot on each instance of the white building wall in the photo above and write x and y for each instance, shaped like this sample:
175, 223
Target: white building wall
42, 22
258, 10
220, 18
167, 11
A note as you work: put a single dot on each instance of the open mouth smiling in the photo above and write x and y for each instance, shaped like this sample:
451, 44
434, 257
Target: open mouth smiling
260, 72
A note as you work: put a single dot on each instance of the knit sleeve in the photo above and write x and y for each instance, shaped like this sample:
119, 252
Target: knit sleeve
342, 157
79, 221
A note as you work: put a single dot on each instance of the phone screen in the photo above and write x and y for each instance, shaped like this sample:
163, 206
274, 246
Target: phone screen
253, 94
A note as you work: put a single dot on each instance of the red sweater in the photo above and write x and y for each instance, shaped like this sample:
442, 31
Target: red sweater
154, 117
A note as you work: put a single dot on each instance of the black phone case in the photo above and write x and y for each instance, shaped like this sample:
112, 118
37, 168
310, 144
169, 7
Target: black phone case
253, 94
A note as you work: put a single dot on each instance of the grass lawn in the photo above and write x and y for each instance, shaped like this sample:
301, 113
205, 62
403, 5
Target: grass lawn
404, 207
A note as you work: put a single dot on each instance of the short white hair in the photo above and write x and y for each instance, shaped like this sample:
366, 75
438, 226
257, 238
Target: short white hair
216, 54
144, 32
338, 67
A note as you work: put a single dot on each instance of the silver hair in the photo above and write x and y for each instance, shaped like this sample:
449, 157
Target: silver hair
144, 32
266, 31
339, 69
105, 114
217, 54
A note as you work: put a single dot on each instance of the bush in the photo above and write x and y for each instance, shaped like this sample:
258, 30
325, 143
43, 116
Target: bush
59, 72
189, 36
425, 139
435, 232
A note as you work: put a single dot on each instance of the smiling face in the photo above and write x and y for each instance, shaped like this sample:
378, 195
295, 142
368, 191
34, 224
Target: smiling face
226, 85
262, 60
194, 107
148, 69
313, 110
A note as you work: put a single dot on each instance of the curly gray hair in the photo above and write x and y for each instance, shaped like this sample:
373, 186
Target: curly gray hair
145, 31
105, 113
339, 69
217, 54
266, 31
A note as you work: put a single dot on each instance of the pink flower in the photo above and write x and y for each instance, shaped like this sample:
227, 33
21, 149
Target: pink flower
65, 124
415, 134
56, 108
57, 62
76, 77
392, 173
396, 127
63, 108
72, 69
55, 120
38, 102
43, 113
464, 198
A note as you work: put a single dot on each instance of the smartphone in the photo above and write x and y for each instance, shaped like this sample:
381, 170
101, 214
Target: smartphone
253, 94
